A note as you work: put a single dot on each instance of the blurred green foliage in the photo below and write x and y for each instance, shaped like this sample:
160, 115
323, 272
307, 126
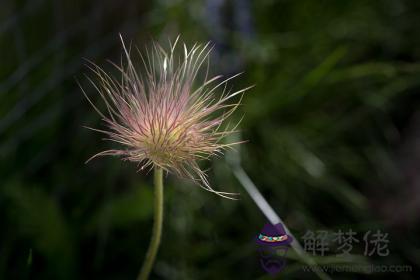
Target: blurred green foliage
332, 126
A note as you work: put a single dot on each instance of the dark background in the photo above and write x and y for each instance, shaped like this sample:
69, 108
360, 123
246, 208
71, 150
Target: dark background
333, 130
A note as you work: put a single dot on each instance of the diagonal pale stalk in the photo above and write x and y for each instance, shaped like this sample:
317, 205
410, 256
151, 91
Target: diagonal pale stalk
274, 219
234, 160
157, 225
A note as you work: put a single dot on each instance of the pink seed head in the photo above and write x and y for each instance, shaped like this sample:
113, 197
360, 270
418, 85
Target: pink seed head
166, 117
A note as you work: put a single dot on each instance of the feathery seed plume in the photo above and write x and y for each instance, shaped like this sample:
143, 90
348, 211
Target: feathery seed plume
166, 117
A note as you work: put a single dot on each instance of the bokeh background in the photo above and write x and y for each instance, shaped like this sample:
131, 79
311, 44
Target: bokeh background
333, 130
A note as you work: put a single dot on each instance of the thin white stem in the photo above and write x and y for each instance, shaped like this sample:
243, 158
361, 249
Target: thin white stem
269, 212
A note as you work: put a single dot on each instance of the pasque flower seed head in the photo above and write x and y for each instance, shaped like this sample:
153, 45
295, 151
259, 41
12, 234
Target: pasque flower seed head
164, 115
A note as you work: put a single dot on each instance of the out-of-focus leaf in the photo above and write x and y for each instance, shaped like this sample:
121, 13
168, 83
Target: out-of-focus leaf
40, 219
125, 209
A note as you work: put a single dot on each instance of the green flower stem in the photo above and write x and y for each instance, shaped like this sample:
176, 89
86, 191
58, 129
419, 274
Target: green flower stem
157, 225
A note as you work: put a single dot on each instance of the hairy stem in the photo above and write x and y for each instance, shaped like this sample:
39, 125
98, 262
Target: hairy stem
157, 226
